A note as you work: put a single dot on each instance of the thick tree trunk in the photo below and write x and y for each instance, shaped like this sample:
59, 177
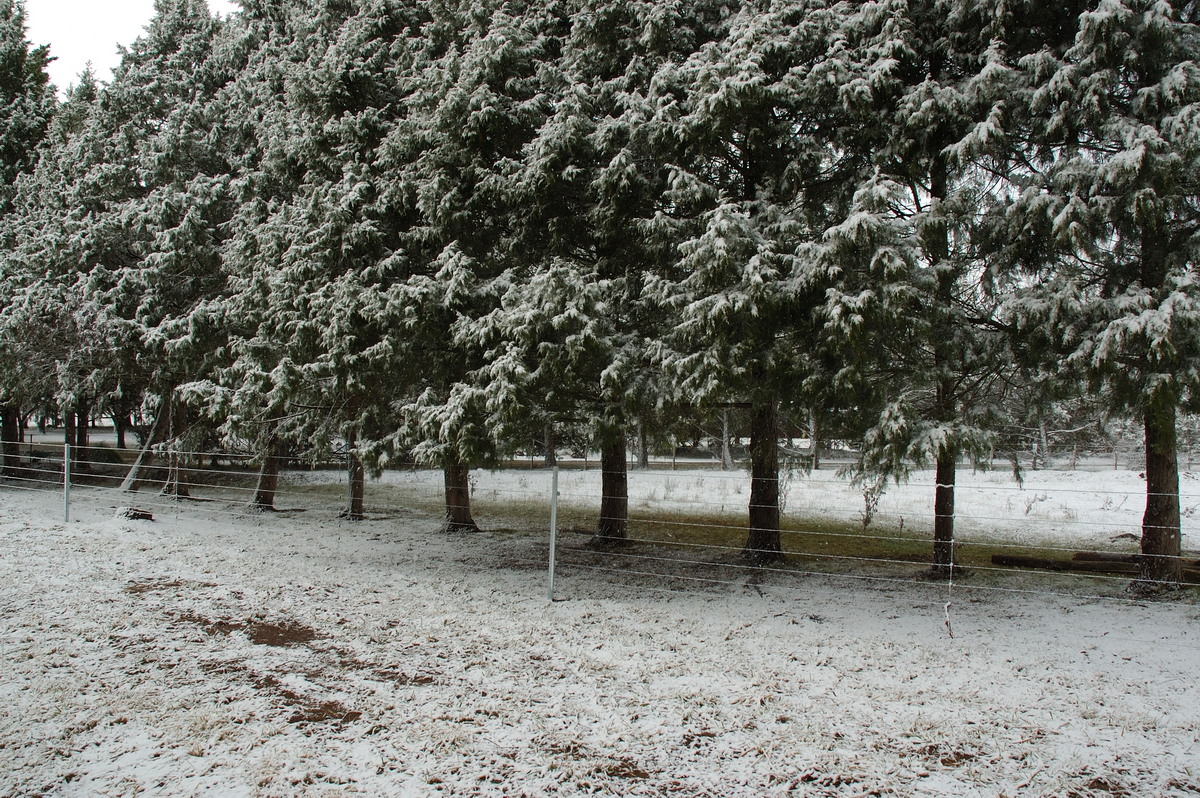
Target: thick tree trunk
268, 477
357, 478
945, 355
120, 426
551, 459
763, 544
458, 499
613, 529
1161, 550
10, 433
943, 515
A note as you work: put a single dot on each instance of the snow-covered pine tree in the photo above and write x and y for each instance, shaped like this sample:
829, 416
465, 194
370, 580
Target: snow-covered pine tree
922, 85
158, 176
119, 219
311, 357
480, 103
568, 337
755, 179
1100, 236
26, 106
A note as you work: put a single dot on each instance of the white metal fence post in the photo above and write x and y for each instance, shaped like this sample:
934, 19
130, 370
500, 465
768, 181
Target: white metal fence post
67, 483
553, 528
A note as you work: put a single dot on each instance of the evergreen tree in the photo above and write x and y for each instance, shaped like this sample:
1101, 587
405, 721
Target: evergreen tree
26, 106
757, 180
922, 85
310, 357
1106, 220
480, 103
124, 222
569, 335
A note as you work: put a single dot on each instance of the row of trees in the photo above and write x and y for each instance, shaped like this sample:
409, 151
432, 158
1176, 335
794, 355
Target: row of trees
438, 229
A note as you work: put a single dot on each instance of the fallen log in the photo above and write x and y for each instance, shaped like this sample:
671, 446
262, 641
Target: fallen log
1113, 556
1047, 564
1123, 567
1104, 556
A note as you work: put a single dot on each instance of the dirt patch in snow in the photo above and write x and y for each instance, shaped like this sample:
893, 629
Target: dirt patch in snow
282, 634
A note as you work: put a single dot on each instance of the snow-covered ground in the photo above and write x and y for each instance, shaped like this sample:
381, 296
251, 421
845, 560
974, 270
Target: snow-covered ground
297, 654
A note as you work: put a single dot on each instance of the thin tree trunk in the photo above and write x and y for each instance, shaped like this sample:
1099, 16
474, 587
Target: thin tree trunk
943, 515
69, 432
814, 438
83, 419
10, 424
613, 529
268, 476
176, 484
726, 454
763, 544
643, 447
458, 499
132, 479
1161, 563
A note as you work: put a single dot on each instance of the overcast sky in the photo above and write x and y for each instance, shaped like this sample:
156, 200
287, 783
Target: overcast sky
79, 31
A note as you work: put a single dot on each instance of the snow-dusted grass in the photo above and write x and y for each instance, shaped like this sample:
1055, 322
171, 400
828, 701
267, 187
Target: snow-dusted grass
285, 654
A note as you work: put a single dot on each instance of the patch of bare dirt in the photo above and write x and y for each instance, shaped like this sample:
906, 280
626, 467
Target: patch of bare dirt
283, 634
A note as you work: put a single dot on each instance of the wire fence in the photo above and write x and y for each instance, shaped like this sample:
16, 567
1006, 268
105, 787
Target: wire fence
1058, 532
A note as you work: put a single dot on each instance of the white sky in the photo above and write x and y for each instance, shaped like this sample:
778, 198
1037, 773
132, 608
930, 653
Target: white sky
79, 31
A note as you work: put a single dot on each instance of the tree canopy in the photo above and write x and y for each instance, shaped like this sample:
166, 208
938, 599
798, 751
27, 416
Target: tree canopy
436, 231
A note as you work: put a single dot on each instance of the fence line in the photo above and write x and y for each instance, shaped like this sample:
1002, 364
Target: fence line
686, 538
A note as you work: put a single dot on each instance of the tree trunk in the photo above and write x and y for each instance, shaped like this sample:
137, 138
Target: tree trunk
10, 424
357, 479
763, 544
83, 420
943, 515
458, 499
643, 448
120, 426
133, 479
176, 483
69, 432
726, 454
550, 443
268, 477
613, 529
1161, 566
814, 439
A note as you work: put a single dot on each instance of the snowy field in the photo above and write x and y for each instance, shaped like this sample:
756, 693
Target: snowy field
213, 651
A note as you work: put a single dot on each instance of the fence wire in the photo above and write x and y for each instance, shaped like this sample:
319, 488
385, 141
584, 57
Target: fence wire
1075, 533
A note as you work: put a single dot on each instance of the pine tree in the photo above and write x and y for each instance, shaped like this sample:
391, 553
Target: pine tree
757, 180
27, 105
133, 203
568, 337
310, 357
1104, 217
923, 87
459, 153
